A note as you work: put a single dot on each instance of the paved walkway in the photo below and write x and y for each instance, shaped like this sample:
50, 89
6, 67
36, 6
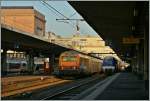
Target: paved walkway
125, 87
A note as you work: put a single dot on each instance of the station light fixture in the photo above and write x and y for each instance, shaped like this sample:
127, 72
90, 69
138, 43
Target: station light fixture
1, 50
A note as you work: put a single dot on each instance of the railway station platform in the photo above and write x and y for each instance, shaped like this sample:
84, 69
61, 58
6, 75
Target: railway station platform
121, 86
20, 84
21, 79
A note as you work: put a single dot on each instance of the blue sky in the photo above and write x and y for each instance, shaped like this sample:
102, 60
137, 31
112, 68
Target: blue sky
60, 28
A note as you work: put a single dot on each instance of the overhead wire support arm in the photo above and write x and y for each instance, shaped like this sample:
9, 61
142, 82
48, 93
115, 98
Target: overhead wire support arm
65, 17
72, 19
77, 20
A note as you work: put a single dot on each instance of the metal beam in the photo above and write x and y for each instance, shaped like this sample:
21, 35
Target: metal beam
72, 19
101, 53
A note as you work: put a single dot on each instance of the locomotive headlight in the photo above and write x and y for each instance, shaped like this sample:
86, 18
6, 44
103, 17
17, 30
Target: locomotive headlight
74, 67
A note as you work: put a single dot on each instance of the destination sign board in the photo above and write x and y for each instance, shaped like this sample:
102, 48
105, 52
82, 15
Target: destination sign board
130, 40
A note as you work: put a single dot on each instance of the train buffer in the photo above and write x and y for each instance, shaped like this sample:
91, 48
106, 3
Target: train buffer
121, 86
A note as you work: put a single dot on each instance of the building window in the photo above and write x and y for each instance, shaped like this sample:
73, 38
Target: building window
52, 40
83, 39
39, 29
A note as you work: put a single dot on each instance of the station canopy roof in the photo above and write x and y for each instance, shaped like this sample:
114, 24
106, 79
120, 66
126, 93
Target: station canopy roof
113, 20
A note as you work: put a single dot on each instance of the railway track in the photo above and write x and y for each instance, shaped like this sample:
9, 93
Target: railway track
52, 92
71, 92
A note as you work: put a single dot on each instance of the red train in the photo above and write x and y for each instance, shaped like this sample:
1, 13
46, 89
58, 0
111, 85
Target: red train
74, 63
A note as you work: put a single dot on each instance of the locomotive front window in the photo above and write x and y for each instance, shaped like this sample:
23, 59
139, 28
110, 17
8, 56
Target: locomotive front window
71, 58
108, 62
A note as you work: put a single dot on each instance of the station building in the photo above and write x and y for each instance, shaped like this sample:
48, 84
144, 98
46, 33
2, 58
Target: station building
27, 20
85, 43
24, 18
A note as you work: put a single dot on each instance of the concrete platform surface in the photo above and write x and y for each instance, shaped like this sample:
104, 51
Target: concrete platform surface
20, 84
18, 79
125, 87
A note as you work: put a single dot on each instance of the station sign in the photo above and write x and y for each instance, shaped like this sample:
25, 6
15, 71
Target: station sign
130, 40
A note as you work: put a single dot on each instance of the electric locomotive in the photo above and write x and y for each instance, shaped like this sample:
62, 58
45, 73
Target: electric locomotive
75, 64
110, 65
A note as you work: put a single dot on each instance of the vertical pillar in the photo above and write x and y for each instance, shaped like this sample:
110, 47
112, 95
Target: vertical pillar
146, 65
146, 44
139, 60
47, 68
133, 63
4, 62
52, 62
30, 62
136, 56
56, 63
134, 59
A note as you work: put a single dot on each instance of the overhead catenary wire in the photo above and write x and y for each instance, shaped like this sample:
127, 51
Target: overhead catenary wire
72, 15
58, 13
50, 9
55, 9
